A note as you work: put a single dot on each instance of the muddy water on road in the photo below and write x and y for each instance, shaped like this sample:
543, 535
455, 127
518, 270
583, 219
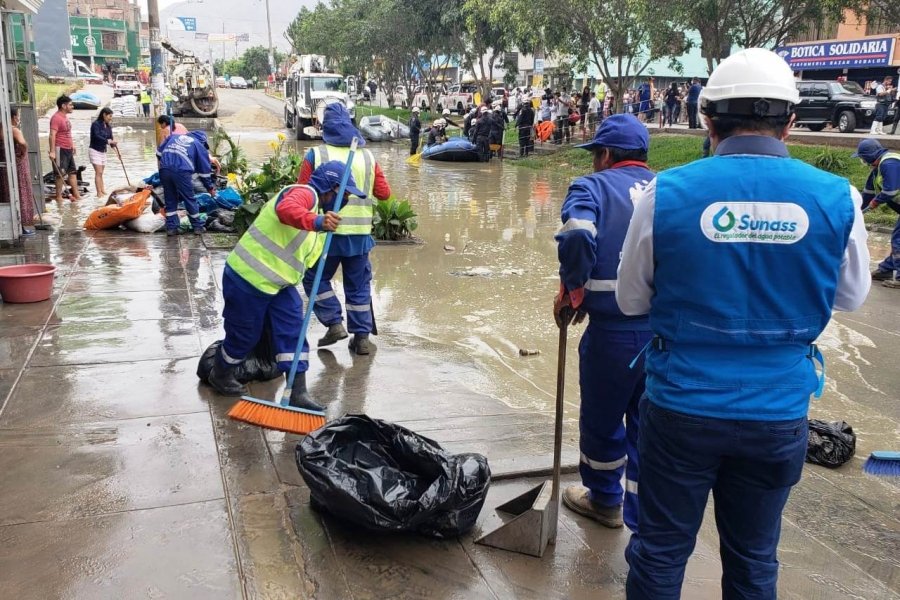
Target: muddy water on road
481, 286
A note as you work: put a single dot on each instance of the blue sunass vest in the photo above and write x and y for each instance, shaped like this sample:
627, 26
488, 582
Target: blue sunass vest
616, 187
748, 251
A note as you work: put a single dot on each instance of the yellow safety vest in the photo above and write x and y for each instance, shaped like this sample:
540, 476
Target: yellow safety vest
145, 98
879, 179
357, 213
271, 256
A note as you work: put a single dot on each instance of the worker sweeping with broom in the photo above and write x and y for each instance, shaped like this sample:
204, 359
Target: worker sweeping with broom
261, 277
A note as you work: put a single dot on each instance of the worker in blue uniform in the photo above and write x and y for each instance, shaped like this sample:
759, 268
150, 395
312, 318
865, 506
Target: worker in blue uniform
182, 159
740, 260
353, 238
259, 283
595, 216
882, 187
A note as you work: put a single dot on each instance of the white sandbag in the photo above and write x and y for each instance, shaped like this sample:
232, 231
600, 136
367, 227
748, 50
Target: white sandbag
147, 223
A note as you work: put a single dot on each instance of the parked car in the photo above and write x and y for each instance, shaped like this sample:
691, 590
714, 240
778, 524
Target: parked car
127, 84
84, 73
237, 83
460, 98
843, 105
221, 82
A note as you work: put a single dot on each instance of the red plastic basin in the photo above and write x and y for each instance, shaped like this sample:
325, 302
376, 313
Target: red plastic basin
26, 283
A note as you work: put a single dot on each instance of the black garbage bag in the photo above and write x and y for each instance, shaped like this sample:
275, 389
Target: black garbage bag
830, 444
387, 478
259, 365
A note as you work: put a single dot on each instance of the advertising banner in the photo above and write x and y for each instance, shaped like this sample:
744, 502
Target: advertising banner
846, 54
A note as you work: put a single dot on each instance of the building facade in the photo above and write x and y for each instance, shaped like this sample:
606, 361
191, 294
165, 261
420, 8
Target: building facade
856, 48
107, 33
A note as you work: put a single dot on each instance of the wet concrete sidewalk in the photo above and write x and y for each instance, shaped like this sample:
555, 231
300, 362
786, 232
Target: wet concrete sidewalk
122, 476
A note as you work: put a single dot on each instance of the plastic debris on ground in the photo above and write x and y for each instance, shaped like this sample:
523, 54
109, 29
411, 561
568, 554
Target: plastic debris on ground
830, 444
386, 478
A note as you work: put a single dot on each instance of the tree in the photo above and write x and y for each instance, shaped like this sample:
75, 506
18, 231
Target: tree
754, 23
488, 36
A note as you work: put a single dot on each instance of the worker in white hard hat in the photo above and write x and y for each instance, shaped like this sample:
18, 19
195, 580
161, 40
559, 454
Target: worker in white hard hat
445, 114
437, 134
415, 129
739, 259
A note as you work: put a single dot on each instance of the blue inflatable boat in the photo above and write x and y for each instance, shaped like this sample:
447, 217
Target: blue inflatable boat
457, 149
85, 100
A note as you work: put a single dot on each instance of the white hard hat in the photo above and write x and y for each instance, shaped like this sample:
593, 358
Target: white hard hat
440, 123
446, 111
484, 109
740, 81
416, 109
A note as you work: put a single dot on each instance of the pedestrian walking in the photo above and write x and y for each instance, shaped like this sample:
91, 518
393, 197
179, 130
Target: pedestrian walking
882, 187
883, 93
415, 129
182, 159
260, 279
23, 174
731, 367
672, 100
169, 99
146, 100
352, 239
595, 216
101, 138
62, 149
593, 112
584, 102
693, 97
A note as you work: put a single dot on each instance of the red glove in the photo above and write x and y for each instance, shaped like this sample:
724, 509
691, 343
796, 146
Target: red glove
873, 204
565, 307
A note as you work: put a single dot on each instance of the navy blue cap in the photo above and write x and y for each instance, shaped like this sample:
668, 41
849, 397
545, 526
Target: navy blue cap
869, 150
623, 131
328, 176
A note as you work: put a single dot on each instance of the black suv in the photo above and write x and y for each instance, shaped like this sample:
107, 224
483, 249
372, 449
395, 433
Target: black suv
843, 105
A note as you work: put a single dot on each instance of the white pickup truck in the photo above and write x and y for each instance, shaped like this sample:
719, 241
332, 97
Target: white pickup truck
459, 99
127, 84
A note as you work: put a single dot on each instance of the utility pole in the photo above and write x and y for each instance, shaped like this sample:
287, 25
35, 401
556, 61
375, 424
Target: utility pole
156, 63
91, 48
271, 50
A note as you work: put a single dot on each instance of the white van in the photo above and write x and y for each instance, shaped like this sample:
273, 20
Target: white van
82, 71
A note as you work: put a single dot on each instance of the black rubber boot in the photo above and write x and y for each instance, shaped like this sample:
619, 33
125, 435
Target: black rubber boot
300, 397
223, 380
360, 344
334, 334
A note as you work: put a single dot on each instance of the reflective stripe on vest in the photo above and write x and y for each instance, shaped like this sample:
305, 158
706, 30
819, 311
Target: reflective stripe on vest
879, 180
357, 213
271, 256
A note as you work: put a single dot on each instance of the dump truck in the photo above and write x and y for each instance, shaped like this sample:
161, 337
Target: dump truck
308, 88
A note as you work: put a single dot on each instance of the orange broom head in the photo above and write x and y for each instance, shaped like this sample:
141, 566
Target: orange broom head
273, 415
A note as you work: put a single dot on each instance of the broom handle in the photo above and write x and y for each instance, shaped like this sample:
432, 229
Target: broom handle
124, 170
286, 398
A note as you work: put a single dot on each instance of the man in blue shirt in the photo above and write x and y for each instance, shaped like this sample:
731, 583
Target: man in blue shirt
693, 97
740, 260
595, 216
882, 187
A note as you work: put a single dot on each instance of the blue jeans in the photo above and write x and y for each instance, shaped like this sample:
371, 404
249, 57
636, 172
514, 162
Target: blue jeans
750, 467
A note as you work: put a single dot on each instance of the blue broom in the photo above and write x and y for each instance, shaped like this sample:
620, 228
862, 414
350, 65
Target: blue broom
281, 416
883, 462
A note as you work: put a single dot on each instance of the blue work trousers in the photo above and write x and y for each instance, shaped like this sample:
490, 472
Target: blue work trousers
750, 467
178, 186
610, 392
246, 311
357, 291
892, 262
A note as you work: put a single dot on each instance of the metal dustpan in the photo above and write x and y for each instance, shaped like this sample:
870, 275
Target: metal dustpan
536, 512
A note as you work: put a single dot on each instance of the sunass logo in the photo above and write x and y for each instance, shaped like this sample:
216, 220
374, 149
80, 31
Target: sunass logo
754, 222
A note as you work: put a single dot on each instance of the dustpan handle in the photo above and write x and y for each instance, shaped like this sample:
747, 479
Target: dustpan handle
560, 393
